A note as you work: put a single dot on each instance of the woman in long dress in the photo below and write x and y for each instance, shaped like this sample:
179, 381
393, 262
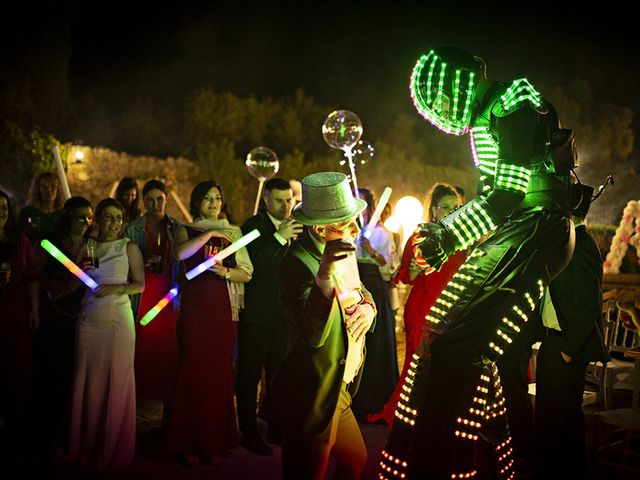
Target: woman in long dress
425, 289
156, 360
19, 317
103, 403
380, 371
202, 421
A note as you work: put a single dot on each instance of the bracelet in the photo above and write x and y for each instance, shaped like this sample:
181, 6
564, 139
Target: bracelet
227, 275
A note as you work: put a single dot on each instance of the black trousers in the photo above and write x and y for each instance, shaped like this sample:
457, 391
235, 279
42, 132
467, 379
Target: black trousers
513, 368
560, 429
258, 347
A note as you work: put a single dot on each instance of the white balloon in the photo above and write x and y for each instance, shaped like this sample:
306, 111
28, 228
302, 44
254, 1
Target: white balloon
262, 163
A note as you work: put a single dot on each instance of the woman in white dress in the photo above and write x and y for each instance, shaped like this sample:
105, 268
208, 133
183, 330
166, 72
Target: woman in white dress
103, 402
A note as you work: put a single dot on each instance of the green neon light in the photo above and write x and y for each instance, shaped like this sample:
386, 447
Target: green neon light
520, 91
512, 177
456, 87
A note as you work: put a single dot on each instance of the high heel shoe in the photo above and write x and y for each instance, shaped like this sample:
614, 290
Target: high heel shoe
190, 461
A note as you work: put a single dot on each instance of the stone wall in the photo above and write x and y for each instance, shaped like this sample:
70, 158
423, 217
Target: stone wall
94, 172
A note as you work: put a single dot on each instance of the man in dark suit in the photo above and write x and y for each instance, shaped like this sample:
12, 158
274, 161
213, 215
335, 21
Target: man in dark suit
262, 333
570, 329
310, 396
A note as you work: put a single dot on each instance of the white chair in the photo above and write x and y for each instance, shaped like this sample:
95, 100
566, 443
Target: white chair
619, 373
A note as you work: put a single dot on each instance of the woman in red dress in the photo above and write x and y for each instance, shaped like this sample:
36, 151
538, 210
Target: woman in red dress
425, 288
19, 317
202, 422
156, 361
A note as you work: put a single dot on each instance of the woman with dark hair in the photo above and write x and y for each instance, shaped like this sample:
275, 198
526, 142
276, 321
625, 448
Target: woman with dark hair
103, 400
156, 359
44, 207
426, 287
202, 422
19, 317
380, 371
128, 196
60, 298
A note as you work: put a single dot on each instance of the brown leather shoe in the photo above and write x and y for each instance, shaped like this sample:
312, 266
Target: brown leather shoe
254, 443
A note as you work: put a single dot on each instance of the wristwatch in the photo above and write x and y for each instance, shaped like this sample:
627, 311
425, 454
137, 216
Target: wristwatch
227, 275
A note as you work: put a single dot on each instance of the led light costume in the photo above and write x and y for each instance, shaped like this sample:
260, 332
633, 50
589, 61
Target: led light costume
452, 394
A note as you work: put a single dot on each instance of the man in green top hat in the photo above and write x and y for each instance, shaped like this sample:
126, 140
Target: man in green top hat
310, 396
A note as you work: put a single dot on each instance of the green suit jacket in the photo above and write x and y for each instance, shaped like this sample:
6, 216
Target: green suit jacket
303, 395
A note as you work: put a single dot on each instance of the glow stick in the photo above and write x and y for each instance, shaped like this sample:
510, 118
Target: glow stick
378, 211
61, 175
155, 310
72, 267
222, 254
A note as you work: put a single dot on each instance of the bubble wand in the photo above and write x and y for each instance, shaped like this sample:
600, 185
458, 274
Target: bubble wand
341, 130
262, 163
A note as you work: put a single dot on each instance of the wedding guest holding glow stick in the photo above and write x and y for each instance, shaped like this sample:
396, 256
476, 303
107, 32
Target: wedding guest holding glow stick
40, 215
156, 361
202, 423
103, 401
60, 297
380, 373
19, 317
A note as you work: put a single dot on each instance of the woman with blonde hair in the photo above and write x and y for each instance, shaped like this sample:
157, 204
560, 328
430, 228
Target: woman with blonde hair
44, 207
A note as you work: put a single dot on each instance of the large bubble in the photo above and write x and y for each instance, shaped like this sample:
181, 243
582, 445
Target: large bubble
262, 163
342, 129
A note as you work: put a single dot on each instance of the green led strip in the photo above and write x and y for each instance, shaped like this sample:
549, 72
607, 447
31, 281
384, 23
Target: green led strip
452, 119
469, 223
512, 177
484, 150
520, 91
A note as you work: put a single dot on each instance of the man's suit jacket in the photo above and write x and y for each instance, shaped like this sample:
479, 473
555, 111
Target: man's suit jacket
303, 395
576, 294
262, 301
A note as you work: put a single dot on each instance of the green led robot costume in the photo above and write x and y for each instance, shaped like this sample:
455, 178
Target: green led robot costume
452, 394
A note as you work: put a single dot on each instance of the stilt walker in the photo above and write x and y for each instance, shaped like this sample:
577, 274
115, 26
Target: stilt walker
452, 397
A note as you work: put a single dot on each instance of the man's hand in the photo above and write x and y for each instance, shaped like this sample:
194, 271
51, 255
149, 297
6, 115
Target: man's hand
334, 251
359, 322
290, 229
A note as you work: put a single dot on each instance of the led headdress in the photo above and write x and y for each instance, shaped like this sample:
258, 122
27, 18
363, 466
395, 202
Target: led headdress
443, 87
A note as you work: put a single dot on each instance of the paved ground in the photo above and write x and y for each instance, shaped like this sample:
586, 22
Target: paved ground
151, 462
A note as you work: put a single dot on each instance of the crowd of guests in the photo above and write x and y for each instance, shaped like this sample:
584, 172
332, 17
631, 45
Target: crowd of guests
221, 339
